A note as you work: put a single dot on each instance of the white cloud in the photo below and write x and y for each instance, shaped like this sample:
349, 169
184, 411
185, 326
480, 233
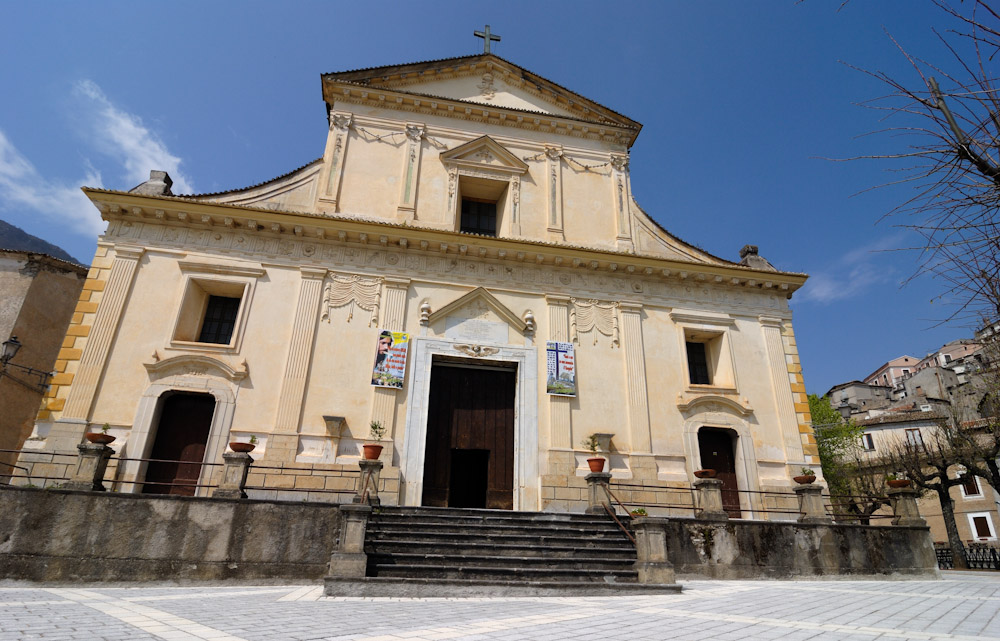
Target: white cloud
124, 136
22, 187
119, 135
852, 274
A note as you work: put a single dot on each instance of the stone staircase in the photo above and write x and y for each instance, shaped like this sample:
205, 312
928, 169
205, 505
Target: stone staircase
420, 551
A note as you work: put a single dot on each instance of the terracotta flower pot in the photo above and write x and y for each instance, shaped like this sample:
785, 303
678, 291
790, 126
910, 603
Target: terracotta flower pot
372, 451
804, 479
99, 437
707, 473
596, 464
898, 483
241, 447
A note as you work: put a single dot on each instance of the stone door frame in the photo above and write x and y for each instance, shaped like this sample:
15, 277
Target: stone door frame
526, 479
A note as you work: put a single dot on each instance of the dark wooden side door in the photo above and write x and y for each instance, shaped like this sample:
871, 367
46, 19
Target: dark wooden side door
717, 453
179, 447
470, 424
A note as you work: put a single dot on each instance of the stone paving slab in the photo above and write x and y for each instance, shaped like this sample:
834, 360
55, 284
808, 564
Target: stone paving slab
962, 606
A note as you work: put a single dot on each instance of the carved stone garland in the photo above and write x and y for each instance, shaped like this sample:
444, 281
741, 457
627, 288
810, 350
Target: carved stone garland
585, 316
353, 290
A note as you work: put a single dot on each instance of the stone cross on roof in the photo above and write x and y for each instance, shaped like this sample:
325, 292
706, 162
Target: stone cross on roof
487, 37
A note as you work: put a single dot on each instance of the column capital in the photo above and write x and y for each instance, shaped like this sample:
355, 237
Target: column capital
557, 299
309, 272
630, 306
397, 283
129, 252
770, 321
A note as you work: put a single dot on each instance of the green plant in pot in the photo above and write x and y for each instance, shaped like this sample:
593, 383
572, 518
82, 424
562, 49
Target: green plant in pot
240, 447
373, 450
897, 481
806, 477
102, 437
592, 444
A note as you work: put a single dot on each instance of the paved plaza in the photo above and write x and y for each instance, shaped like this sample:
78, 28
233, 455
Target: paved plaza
961, 606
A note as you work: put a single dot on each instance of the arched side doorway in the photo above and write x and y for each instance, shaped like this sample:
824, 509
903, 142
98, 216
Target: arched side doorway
717, 450
181, 375
179, 443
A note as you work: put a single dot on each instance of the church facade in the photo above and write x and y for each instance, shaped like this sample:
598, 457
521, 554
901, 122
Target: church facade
465, 267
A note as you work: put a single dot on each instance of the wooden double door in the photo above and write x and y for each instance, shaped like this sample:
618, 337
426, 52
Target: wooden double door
469, 459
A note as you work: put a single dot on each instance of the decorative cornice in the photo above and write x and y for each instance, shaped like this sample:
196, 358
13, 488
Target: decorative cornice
481, 293
687, 402
313, 230
227, 269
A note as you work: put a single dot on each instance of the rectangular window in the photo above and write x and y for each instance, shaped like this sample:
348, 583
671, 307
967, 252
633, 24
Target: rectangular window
220, 320
970, 485
868, 442
982, 526
698, 364
479, 217
913, 438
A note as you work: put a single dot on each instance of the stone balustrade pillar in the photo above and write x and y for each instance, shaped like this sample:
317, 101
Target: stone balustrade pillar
234, 476
652, 561
367, 492
811, 504
91, 464
349, 559
904, 507
708, 500
597, 491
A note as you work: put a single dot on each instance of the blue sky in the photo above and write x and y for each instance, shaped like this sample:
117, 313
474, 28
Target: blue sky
742, 103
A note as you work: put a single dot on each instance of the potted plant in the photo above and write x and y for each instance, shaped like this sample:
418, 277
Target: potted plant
102, 437
639, 511
806, 477
591, 444
706, 473
374, 450
897, 480
236, 446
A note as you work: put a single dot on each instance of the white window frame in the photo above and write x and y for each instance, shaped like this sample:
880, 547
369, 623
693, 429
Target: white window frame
979, 486
989, 522
714, 332
212, 278
868, 442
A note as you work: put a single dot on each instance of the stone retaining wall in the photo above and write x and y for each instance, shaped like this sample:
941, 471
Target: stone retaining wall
62, 535
768, 549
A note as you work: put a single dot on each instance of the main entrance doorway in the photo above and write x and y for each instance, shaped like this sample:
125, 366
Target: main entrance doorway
179, 448
717, 451
469, 459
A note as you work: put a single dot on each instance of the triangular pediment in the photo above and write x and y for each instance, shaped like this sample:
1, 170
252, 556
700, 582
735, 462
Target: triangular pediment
479, 302
484, 79
484, 152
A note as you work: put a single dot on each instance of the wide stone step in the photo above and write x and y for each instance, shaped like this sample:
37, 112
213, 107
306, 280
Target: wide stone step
513, 536
434, 559
547, 549
503, 573
490, 530
450, 515
428, 587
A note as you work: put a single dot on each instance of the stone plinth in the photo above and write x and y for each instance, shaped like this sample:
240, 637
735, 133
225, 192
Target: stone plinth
597, 491
811, 504
904, 507
90, 467
234, 476
367, 492
349, 559
708, 500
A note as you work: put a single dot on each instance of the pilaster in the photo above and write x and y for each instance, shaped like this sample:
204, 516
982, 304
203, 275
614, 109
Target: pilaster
553, 199
393, 319
407, 208
560, 422
333, 156
635, 377
621, 196
300, 351
784, 405
95, 352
